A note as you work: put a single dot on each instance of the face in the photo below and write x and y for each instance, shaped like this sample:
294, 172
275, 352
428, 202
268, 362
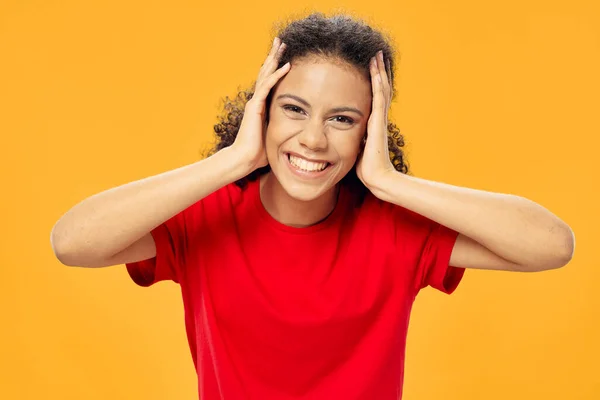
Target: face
317, 120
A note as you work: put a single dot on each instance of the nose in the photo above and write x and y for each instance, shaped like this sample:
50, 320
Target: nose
313, 136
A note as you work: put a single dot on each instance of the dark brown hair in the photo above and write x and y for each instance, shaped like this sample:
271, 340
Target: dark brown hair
338, 37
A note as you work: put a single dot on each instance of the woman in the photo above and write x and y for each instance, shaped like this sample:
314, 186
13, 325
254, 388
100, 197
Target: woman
301, 242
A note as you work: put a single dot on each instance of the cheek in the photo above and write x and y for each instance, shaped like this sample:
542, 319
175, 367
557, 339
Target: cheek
270, 140
272, 132
276, 135
280, 130
349, 143
347, 147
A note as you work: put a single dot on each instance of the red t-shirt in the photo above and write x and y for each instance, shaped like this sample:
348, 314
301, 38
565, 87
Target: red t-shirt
277, 312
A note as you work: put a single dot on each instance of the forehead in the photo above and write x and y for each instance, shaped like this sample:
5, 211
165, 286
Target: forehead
326, 82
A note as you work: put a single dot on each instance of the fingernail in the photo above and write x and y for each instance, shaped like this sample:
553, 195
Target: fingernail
275, 41
380, 54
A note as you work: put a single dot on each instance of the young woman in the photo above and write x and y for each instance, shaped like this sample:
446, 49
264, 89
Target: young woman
301, 242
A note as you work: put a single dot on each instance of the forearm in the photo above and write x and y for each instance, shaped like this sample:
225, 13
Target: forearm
112, 220
513, 227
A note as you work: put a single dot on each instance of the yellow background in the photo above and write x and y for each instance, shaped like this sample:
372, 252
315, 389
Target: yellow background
500, 96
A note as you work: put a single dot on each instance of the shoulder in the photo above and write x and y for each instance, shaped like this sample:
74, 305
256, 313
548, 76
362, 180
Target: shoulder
229, 200
374, 209
229, 192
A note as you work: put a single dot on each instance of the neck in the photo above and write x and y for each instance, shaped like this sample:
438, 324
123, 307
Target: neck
293, 212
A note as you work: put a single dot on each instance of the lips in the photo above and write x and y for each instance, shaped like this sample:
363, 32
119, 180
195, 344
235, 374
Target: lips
307, 165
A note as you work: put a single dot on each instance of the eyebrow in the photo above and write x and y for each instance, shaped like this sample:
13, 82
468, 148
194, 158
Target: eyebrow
336, 109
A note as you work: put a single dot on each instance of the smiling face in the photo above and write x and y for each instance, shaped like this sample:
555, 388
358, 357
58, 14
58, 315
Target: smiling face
317, 120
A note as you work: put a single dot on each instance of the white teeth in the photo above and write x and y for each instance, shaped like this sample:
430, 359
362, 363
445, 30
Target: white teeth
306, 165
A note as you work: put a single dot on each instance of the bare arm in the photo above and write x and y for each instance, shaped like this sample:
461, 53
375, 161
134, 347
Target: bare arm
113, 227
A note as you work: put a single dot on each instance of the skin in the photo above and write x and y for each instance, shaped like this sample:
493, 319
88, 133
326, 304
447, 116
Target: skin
314, 131
495, 230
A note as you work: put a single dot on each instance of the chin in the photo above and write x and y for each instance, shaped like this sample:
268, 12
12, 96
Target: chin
303, 192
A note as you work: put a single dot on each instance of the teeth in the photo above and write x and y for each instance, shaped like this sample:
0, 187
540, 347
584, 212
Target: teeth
305, 165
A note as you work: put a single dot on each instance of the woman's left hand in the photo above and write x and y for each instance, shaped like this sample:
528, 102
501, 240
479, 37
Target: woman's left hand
374, 163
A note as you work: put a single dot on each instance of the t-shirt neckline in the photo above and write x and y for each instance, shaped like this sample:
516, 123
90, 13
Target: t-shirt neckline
342, 201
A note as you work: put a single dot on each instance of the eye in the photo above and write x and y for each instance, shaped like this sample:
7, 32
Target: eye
292, 108
345, 120
296, 109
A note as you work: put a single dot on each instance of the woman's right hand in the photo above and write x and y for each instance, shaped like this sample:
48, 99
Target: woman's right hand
249, 142
114, 226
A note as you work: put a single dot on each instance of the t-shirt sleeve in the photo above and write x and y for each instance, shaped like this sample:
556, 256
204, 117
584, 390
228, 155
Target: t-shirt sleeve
431, 245
171, 251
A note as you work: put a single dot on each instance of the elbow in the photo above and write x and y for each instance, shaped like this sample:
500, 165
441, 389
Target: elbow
567, 249
558, 254
65, 258
76, 251
60, 248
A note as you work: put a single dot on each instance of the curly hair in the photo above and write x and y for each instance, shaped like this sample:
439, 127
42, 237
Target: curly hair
338, 37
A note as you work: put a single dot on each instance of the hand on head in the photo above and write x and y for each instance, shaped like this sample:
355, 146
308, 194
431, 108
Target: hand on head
250, 138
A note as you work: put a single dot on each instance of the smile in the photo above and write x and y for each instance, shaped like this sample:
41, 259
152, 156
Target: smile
307, 168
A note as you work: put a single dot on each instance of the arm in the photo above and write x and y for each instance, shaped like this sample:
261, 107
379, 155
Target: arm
112, 227
496, 231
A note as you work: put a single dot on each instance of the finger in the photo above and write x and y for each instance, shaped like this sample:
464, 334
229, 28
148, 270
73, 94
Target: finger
274, 49
275, 46
277, 57
272, 61
274, 58
378, 119
377, 87
262, 91
388, 69
272, 52
384, 76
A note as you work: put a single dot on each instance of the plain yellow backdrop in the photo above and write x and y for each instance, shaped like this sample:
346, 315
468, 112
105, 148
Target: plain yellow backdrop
500, 96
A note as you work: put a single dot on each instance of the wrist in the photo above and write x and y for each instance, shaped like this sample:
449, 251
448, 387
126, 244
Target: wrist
236, 167
382, 186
